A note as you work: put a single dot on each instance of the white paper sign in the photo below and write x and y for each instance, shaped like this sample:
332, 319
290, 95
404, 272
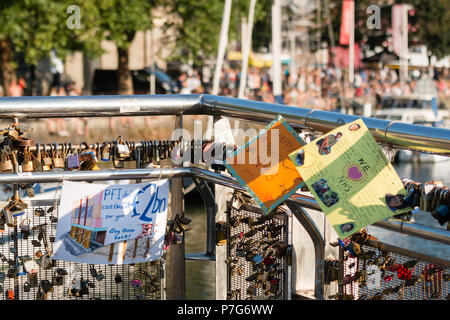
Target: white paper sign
111, 224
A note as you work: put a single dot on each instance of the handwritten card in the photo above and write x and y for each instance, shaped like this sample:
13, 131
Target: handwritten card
351, 178
262, 165
95, 216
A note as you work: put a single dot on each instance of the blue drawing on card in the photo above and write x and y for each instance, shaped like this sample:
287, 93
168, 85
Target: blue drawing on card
154, 205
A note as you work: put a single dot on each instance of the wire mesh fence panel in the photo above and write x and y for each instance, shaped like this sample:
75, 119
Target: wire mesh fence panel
256, 269
394, 274
143, 281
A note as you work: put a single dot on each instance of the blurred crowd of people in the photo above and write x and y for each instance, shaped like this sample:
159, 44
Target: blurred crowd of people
321, 88
318, 88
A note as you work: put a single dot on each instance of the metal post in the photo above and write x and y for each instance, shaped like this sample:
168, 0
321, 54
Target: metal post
351, 47
223, 195
176, 252
246, 49
276, 50
222, 45
220, 56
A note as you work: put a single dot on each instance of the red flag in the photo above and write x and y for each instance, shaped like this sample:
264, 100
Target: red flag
348, 7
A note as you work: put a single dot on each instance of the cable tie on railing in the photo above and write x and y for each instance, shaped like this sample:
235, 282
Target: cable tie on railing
307, 116
386, 129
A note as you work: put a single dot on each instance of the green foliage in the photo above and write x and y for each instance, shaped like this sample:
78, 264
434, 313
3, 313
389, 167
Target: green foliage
429, 24
197, 25
32, 26
120, 19
431, 19
35, 27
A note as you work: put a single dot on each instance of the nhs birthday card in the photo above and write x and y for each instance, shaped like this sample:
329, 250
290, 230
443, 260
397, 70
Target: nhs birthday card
351, 178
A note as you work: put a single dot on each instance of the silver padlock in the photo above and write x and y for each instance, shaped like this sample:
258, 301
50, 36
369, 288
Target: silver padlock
9, 219
25, 226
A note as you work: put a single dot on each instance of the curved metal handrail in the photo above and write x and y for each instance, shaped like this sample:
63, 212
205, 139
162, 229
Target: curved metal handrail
429, 233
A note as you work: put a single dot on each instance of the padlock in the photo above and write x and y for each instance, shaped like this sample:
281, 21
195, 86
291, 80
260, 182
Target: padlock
13, 133
27, 164
123, 151
73, 162
427, 195
29, 264
46, 286
93, 271
5, 162
21, 270
26, 286
105, 151
100, 276
58, 161
118, 278
17, 207
136, 283
30, 191
442, 214
35, 243
117, 162
25, 227
46, 160
39, 212
46, 261
9, 294
221, 233
32, 279
36, 159
12, 272
9, 219
331, 270
57, 280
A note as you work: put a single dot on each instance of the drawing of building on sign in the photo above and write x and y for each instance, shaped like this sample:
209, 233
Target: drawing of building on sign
86, 229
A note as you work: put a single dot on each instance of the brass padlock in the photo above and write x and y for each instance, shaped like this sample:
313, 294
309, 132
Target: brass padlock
13, 134
5, 162
27, 165
46, 161
37, 160
58, 161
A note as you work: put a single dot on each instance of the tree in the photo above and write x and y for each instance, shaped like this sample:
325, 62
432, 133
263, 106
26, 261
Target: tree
118, 21
28, 26
428, 23
196, 25
33, 28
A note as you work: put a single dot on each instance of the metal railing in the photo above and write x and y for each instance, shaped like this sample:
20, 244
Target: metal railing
391, 133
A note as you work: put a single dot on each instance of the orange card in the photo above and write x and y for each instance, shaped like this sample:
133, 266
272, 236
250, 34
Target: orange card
262, 166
